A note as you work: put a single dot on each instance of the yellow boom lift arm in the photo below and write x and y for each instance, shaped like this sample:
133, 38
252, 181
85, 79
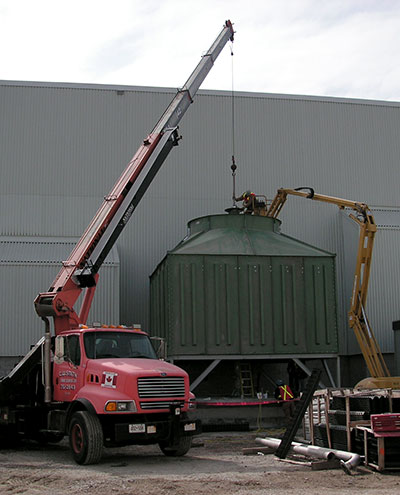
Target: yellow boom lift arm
357, 317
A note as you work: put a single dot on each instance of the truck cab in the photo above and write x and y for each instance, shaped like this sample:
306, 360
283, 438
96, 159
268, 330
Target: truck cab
112, 379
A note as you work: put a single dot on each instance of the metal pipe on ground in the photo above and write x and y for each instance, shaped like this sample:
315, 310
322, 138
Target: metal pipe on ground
348, 460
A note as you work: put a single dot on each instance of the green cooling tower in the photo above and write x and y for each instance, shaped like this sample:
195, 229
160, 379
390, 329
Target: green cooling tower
236, 286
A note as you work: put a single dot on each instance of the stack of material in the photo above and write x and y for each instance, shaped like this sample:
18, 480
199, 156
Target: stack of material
362, 421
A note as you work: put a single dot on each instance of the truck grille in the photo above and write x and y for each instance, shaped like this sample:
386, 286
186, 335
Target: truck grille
161, 387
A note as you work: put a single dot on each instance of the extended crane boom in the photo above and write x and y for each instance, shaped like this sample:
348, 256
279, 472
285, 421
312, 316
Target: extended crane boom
358, 319
80, 271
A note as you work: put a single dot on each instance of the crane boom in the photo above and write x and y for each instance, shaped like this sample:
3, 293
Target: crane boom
358, 319
80, 271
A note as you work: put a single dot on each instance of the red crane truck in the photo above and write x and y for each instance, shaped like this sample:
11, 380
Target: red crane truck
103, 385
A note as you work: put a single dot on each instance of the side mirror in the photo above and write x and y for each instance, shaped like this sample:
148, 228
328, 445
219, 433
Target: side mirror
160, 346
59, 353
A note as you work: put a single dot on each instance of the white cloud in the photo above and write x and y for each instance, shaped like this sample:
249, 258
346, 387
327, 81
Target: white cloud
320, 47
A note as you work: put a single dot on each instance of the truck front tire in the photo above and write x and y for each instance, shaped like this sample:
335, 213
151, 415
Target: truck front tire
180, 448
85, 438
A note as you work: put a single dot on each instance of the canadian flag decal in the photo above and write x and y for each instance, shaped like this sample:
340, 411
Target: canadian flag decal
109, 379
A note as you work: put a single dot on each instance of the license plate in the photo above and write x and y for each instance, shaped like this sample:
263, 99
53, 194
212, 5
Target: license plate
190, 427
140, 428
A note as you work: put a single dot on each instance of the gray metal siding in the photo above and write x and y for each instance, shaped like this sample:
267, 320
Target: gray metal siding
63, 147
384, 287
28, 266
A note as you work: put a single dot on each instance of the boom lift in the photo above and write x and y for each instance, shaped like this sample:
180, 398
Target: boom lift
104, 385
357, 317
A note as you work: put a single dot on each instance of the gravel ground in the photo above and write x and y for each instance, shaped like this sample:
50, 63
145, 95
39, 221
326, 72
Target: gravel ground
214, 466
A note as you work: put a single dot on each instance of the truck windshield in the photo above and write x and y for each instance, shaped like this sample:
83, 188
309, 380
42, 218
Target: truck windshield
118, 345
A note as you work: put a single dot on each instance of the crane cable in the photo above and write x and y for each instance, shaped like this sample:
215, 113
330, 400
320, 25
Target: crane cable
233, 166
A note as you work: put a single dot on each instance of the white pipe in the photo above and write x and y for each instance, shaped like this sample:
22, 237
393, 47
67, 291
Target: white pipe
348, 460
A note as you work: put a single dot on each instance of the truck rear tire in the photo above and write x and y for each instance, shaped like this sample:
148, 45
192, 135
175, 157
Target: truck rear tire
85, 438
181, 448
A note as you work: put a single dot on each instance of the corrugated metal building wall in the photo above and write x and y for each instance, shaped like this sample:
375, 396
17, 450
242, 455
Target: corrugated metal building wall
30, 264
63, 146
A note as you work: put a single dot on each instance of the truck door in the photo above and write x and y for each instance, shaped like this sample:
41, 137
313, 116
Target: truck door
67, 375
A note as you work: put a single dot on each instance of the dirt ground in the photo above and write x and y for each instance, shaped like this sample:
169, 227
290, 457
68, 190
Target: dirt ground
214, 466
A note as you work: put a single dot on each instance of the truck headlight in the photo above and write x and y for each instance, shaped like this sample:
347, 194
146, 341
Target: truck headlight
120, 406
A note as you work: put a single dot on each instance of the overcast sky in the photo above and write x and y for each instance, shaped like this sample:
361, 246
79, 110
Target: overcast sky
347, 48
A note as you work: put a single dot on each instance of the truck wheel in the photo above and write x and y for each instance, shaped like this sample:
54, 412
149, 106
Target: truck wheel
181, 448
85, 438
